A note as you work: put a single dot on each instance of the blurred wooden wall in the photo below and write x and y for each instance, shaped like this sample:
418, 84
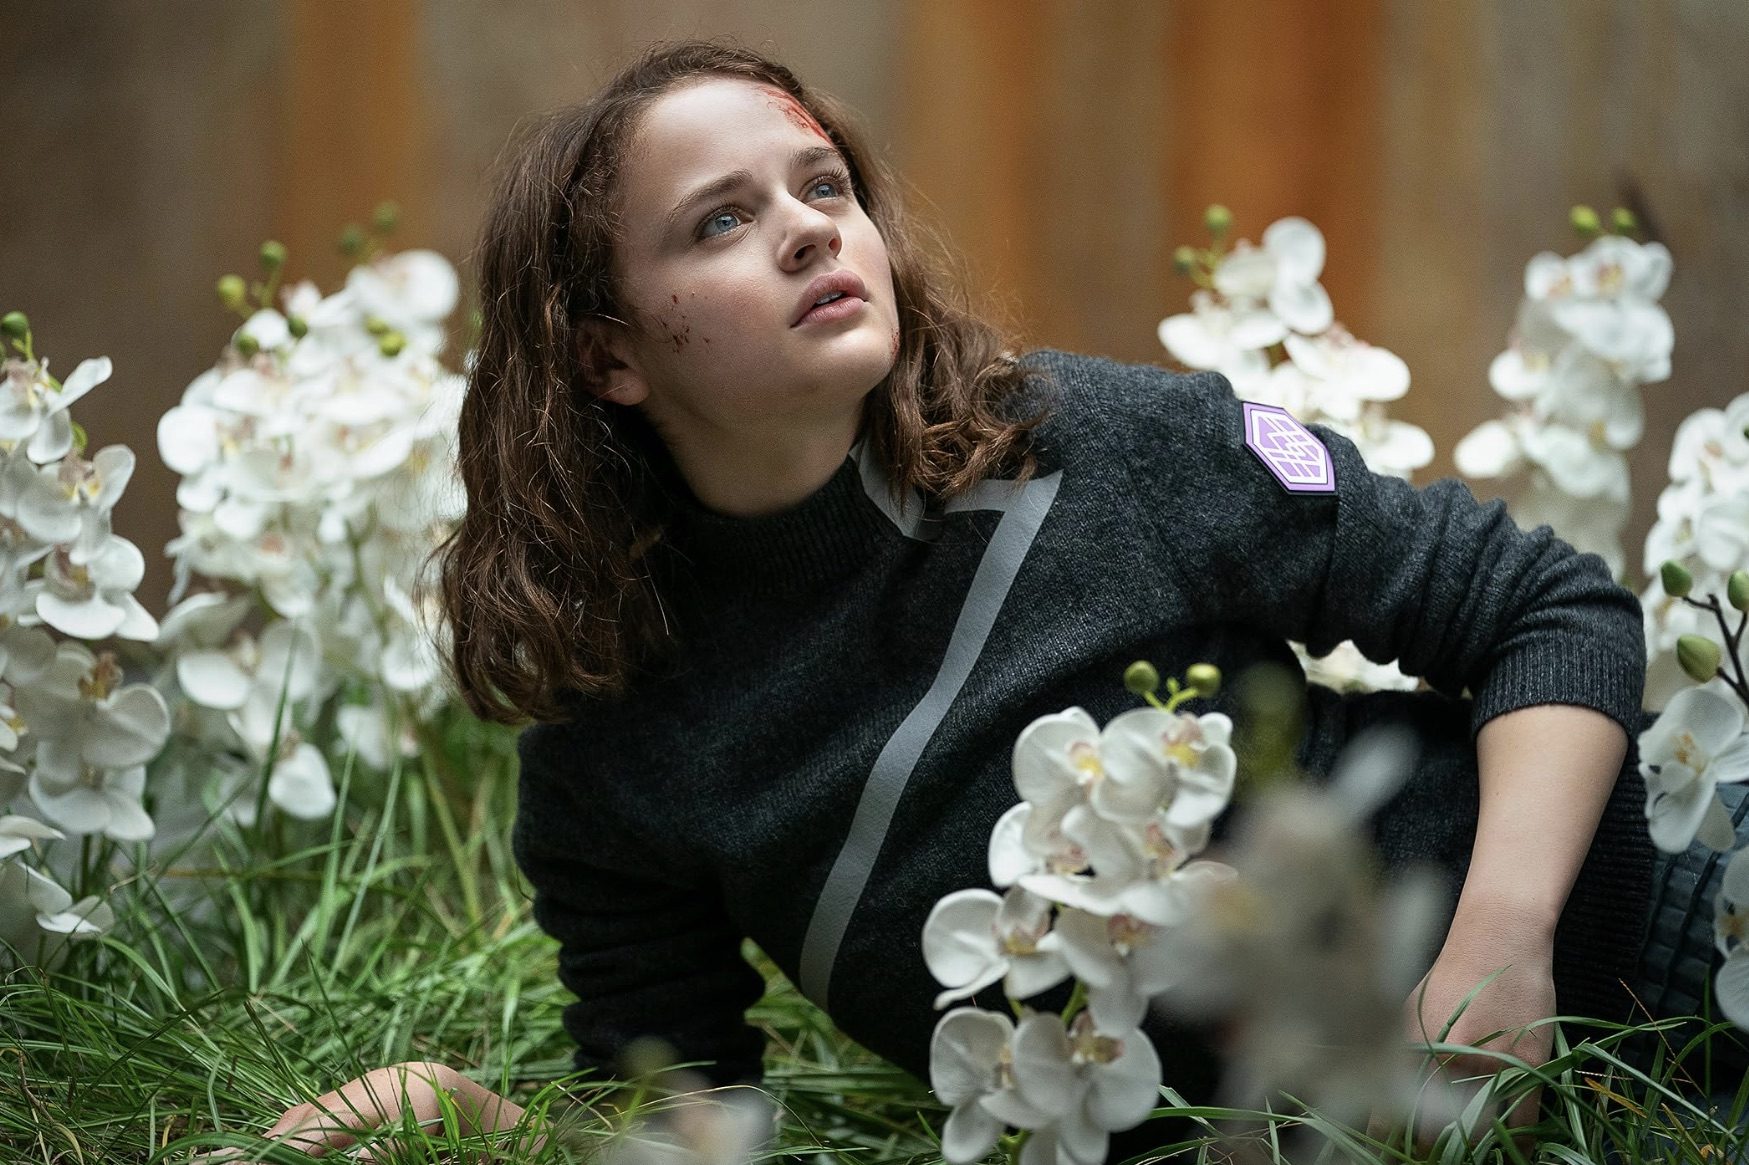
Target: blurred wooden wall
1065, 147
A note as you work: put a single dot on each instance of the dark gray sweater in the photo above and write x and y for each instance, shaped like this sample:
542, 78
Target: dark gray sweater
823, 757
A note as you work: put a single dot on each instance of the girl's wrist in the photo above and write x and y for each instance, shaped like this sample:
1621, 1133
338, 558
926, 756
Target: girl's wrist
1490, 916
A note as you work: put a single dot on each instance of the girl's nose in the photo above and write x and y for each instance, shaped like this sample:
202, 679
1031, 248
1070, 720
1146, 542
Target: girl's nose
813, 230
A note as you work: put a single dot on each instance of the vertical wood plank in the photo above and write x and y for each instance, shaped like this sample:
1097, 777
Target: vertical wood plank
353, 127
1274, 110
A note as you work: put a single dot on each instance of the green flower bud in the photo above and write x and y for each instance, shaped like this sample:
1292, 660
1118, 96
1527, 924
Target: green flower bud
352, 241
391, 343
1204, 677
1737, 589
1676, 579
246, 345
376, 325
232, 291
272, 255
1141, 678
387, 215
1698, 656
1585, 221
298, 326
1217, 219
1184, 260
15, 324
1623, 220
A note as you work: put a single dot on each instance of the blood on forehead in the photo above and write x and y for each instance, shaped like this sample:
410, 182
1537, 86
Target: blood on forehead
786, 104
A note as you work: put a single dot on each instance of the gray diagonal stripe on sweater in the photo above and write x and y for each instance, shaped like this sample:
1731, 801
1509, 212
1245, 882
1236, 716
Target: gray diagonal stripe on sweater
1024, 511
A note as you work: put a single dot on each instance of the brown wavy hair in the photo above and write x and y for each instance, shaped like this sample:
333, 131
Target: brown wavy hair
545, 583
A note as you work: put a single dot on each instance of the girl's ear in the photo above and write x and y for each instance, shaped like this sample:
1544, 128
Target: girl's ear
613, 374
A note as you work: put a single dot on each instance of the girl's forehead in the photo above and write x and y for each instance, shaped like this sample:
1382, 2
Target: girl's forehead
712, 116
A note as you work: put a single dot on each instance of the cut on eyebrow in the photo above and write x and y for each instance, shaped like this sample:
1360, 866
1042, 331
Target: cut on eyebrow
810, 156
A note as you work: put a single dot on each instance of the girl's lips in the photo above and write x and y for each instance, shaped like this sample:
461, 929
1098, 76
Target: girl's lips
838, 309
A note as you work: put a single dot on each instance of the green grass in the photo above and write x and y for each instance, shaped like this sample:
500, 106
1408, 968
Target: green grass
258, 969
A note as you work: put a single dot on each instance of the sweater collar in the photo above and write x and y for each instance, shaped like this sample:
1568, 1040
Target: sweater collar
826, 535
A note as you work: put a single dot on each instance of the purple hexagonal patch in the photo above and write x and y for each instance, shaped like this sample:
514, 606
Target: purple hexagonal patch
1298, 460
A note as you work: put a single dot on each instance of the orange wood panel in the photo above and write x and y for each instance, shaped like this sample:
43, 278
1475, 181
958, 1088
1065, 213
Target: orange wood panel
352, 127
964, 131
1274, 110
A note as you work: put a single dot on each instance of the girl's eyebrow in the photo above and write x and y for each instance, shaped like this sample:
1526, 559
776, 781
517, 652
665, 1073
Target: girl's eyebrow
809, 156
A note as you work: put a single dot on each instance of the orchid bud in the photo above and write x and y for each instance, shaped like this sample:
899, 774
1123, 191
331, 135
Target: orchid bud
1205, 678
1218, 219
387, 216
297, 326
1698, 656
1623, 220
15, 324
391, 344
272, 255
1585, 221
377, 326
1141, 678
1676, 579
1184, 260
232, 291
351, 241
1737, 589
246, 345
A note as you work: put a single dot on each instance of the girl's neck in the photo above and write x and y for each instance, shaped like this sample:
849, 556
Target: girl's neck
745, 475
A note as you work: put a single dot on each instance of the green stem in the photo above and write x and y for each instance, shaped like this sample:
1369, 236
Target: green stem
1077, 1000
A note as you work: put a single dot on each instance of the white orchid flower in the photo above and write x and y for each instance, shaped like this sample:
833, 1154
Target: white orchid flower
1696, 744
1283, 273
1721, 530
412, 291
1226, 336
18, 547
17, 833
1348, 371
1731, 933
1060, 761
972, 938
71, 501
267, 328
1344, 669
366, 729
33, 410
80, 700
1575, 463
1609, 303
25, 652
89, 799
992, 1074
95, 600
1150, 880
38, 918
1123, 961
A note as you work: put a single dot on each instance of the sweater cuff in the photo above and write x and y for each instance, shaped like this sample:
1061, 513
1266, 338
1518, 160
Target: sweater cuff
1587, 675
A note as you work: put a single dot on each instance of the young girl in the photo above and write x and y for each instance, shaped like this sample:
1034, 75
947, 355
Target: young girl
781, 549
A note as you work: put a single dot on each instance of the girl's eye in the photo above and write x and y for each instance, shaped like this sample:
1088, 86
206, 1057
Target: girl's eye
706, 228
834, 183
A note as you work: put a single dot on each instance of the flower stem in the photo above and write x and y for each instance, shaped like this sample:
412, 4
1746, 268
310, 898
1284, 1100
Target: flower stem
1077, 1000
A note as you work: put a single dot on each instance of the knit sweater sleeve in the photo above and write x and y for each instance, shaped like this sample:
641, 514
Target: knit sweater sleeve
647, 953
1450, 588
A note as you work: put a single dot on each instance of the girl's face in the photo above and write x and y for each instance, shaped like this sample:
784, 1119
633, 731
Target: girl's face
733, 204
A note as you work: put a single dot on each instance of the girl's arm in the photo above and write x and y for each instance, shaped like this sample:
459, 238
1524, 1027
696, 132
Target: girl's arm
1546, 773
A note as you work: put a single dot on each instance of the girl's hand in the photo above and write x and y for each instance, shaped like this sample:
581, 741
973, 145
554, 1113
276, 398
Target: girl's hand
1522, 994
382, 1097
